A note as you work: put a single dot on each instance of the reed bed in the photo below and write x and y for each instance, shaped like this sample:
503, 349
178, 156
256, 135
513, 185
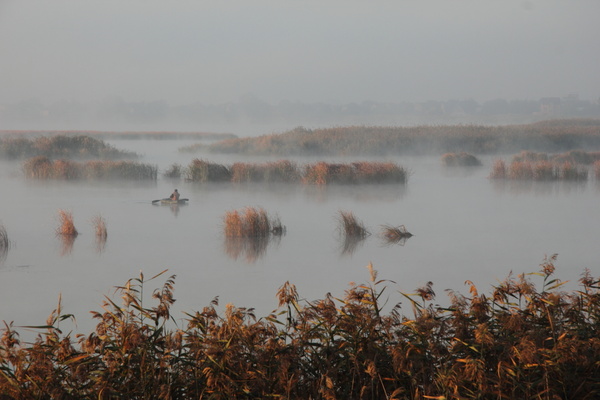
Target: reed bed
550, 136
323, 173
525, 339
544, 170
42, 167
206, 171
461, 159
61, 146
573, 156
284, 171
278, 171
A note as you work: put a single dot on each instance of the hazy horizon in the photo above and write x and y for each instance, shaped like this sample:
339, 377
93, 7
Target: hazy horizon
301, 51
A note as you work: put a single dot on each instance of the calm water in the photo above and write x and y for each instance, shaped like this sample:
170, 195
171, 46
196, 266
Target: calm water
466, 228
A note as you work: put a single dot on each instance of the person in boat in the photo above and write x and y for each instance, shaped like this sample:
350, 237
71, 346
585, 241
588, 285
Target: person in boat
175, 196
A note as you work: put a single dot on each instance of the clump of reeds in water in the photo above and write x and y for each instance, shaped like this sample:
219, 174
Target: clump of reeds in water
323, 173
205, 171
350, 226
461, 159
41, 167
249, 231
277, 171
249, 222
174, 171
352, 230
543, 170
395, 234
66, 226
100, 227
99, 224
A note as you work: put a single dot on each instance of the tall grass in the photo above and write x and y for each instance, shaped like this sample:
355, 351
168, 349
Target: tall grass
41, 167
525, 339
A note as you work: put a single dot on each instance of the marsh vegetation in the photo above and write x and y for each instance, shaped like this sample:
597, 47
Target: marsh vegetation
525, 339
284, 171
549, 136
60, 146
42, 167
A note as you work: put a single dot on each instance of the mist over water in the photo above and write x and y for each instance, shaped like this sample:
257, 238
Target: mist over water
465, 227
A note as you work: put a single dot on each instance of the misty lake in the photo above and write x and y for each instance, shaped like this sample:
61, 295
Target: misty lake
465, 226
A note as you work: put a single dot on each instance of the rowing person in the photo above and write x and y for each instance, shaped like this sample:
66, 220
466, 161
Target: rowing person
175, 195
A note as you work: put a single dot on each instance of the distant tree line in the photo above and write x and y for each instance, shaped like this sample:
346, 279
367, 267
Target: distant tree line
250, 108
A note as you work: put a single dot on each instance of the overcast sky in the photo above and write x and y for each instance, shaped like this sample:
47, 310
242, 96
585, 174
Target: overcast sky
332, 51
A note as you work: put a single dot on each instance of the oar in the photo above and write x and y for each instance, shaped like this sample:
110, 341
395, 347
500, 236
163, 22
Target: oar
156, 201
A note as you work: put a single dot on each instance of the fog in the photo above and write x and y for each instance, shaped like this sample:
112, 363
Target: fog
79, 53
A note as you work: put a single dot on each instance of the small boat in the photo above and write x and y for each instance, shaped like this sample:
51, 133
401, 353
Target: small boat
170, 201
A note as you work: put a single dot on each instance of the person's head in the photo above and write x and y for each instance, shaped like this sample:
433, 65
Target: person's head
175, 189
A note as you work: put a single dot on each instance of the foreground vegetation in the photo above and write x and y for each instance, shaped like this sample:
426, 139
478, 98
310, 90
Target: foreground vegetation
550, 136
319, 173
42, 167
523, 340
61, 146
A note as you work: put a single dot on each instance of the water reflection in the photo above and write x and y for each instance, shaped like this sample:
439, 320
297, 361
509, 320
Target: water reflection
66, 244
361, 193
100, 244
520, 187
351, 243
4, 244
251, 248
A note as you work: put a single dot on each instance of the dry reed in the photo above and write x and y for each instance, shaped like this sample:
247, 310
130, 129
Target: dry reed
66, 226
526, 339
41, 167
351, 227
174, 171
249, 222
100, 227
395, 234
